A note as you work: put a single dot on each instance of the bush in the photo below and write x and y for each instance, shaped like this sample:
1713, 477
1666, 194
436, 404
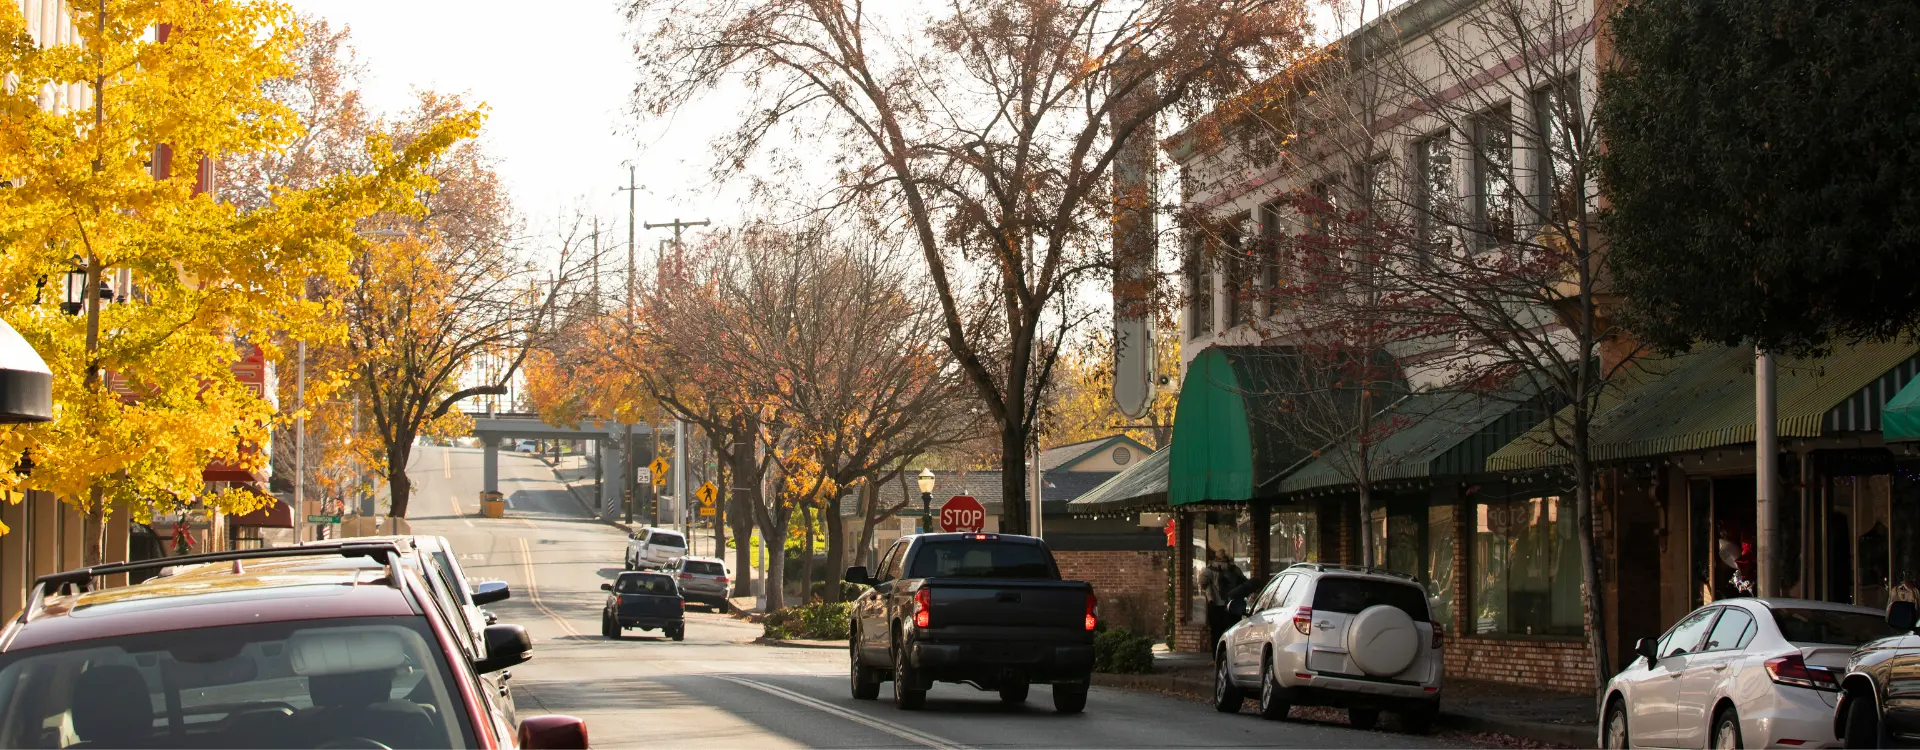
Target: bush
1120, 651
824, 622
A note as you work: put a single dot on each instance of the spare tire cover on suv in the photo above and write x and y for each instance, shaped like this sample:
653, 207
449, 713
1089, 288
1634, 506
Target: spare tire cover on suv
1382, 640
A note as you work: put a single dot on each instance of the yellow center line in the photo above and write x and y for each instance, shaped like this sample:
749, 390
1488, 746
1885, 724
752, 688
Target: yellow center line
533, 590
446, 462
455, 500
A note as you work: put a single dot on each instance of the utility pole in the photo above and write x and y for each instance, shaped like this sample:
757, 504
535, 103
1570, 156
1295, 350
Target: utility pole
677, 226
631, 473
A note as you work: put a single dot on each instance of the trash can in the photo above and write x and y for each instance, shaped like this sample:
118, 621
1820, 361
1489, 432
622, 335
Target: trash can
493, 505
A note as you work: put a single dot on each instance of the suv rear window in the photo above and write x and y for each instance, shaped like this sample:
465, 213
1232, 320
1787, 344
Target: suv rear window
705, 568
1838, 627
667, 539
982, 559
647, 583
1351, 595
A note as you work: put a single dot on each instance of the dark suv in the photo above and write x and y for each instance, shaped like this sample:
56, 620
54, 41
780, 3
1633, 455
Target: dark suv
1879, 705
325, 645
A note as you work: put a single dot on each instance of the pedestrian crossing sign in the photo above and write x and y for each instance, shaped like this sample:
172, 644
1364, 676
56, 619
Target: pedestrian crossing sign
706, 493
659, 469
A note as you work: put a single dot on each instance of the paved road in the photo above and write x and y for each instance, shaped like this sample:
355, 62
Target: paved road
717, 688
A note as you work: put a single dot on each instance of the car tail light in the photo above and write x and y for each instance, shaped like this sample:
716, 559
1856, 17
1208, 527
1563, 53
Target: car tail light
721, 579
1792, 670
686, 576
1439, 636
1093, 606
1303, 620
923, 608
616, 600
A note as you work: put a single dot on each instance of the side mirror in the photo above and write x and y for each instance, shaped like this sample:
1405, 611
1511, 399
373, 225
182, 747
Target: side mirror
1648, 649
553, 732
1902, 616
858, 574
489, 592
606, 587
507, 645
1237, 609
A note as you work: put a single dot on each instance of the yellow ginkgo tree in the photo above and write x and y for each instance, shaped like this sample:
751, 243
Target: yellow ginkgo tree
108, 145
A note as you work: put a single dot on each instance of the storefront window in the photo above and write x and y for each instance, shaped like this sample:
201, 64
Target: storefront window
1526, 567
1219, 535
1295, 538
1398, 537
1440, 563
1864, 501
1905, 512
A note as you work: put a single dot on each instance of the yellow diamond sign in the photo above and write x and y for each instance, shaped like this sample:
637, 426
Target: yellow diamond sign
659, 470
706, 493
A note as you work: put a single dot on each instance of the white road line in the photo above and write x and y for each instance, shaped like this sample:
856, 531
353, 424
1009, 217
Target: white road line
533, 590
898, 730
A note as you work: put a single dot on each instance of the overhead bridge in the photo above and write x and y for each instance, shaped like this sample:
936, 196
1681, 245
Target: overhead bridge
495, 428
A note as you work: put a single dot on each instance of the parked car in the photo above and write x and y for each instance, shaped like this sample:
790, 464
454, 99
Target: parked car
1333, 635
526, 446
644, 600
988, 610
433, 559
1738, 672
1878, 704
703, 580
243, 657
654, 548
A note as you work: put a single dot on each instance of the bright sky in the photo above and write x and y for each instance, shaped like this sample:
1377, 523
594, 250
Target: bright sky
557, 77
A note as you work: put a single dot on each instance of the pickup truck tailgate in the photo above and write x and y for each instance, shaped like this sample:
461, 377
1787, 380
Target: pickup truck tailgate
1007, 603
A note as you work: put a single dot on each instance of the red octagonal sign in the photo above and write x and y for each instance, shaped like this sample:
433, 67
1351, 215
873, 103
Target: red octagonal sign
962, 513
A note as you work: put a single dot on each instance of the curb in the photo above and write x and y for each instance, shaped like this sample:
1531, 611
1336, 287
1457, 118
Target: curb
1201, 688
783, 643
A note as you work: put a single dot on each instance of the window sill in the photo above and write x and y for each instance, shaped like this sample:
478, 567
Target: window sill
1494, 637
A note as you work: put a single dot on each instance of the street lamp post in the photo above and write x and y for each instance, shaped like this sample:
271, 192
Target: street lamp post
926, 499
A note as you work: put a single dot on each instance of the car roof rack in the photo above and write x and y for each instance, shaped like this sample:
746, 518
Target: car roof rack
385, 552
1321, 567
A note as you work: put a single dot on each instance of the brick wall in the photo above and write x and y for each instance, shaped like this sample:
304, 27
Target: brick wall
1131, 585
1565, 666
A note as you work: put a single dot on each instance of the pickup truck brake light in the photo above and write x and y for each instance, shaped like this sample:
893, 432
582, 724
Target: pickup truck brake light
1303, 620
923, 608
1093, 604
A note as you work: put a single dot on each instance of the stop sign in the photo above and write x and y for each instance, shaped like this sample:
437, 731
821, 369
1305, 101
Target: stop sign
962, 513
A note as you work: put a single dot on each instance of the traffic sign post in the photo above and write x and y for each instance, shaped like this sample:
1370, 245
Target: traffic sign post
962, 513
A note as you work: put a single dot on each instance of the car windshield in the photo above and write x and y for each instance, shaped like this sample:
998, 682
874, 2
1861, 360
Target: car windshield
1352, 595
706, 568
982, 559
654, 585
1835, 626
667, 539
289, 684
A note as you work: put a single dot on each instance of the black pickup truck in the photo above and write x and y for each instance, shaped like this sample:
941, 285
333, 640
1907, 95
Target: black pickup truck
988, 610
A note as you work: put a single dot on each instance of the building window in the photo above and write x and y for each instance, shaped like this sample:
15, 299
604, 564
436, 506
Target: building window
1240, 268
1526, 568
1554, 153
1199, 289
1270, 254
1294, 538
1433, 193
1440, 566
1493, 188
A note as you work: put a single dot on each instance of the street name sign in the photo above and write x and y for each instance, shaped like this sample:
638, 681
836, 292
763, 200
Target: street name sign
323, 519
962, 513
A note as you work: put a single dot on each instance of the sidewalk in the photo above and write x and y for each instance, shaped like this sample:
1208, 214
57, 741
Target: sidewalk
1523, 713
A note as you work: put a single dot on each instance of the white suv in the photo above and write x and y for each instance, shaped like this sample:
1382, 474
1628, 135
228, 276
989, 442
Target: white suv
653, 548
1333, 635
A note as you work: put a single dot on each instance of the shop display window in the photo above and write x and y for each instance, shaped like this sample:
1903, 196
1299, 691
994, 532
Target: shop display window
1526, 568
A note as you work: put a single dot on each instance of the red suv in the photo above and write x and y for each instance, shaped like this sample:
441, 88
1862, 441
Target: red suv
318, 646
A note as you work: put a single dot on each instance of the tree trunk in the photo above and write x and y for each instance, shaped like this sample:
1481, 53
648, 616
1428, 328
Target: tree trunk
1013, 479
399, 485
836, 550
1590, 564
776, 572
738, 498
720, 514
806, 554
869, 519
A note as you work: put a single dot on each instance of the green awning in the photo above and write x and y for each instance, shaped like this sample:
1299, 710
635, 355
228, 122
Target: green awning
1142, 485
1437, 433
1900, 420
1226, 447
1704, 399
